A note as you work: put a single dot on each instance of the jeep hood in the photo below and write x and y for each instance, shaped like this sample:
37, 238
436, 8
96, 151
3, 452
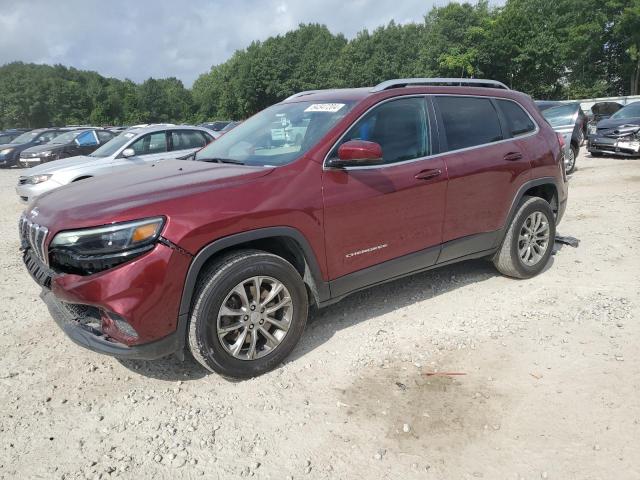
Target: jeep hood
138, 192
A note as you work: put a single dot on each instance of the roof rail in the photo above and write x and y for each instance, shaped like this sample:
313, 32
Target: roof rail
302, 94
467, 82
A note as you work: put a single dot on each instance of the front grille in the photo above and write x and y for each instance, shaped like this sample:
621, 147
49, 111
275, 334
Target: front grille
34, 236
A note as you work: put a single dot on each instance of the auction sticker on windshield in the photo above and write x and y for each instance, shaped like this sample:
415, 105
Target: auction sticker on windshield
324, 107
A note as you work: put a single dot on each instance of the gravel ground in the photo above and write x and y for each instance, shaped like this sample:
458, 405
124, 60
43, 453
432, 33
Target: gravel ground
551, 384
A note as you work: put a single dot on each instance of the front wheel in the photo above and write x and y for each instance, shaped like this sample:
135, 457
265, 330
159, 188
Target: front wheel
250, 311
528, 245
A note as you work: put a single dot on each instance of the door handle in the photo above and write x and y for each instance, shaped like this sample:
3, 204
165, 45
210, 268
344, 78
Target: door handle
513, 156
430, 173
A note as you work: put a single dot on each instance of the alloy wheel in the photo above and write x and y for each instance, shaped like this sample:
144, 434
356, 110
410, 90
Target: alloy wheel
254, 318
533, 239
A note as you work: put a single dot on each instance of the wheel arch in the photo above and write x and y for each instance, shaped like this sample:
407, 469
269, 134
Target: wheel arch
286, 242
545, 188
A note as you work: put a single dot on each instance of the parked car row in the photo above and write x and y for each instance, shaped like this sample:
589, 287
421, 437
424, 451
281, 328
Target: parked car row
326, 193
135, 146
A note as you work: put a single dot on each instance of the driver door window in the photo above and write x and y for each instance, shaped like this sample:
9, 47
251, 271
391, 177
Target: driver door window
400, 127
150, 144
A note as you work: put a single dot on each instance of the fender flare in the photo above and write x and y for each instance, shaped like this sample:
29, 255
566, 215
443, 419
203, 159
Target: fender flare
537, 182
312, 275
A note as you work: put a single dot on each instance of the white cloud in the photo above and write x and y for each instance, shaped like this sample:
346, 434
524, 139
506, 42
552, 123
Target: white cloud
181, 38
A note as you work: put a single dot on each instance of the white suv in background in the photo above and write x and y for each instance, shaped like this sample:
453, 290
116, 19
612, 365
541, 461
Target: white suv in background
132, 147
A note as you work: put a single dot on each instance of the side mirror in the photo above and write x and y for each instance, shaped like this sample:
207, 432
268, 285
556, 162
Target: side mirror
128, 152
357, 153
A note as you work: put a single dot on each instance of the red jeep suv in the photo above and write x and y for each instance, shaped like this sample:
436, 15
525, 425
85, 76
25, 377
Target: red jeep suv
319, 196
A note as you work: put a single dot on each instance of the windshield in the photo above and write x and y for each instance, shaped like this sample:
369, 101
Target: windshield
560, 116
65, 137
276, 136
630, 111
26, 137
113, 145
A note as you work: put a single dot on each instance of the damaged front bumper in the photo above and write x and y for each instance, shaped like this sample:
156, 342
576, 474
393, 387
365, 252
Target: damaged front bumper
624, 145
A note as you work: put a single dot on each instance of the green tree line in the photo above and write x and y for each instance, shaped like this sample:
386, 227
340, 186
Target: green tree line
550, 49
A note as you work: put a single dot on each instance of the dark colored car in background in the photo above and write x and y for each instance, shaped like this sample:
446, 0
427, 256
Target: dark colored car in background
224, 254
617, 135
69, 144
566, 119
10, 153
7, 136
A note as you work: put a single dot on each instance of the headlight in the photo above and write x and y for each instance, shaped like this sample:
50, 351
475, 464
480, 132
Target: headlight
93, 250
593, 129
35, 179
44, 154
6, 151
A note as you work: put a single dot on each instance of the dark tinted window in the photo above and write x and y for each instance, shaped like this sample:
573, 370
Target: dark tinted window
185, 139
518, 122
400, 127
468, 121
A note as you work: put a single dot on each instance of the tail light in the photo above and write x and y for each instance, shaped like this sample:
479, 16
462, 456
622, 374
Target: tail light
561, 140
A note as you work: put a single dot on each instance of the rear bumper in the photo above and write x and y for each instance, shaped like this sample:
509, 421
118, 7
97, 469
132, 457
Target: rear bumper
76, 323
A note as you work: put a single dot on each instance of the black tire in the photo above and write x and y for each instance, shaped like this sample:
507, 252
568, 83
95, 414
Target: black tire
571, 166
507, 260
215, 284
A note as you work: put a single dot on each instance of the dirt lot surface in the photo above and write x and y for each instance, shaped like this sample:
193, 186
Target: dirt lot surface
551, 390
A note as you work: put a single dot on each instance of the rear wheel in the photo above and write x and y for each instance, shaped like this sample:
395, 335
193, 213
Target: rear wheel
529, 241
570, 162
250, 311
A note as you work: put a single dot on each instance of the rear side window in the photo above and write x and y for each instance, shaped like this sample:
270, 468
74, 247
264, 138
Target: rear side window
400, 127
104, 136
185, 139
468, 121
518, 122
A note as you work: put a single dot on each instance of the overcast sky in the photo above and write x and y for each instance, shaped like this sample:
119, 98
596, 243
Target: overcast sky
138, 39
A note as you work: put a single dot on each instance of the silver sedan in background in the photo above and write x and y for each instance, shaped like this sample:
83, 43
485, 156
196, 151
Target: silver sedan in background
135, 146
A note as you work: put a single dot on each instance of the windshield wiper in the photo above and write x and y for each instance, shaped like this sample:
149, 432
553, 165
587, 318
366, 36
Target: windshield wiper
220, 160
